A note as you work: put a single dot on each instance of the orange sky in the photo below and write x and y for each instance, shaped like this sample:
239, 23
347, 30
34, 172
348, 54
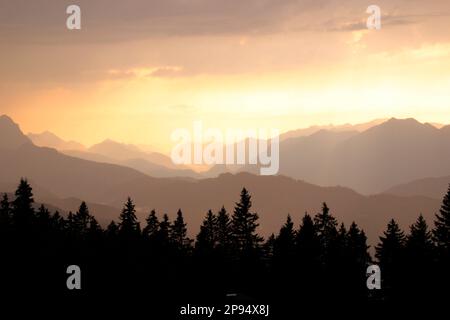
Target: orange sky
140, 69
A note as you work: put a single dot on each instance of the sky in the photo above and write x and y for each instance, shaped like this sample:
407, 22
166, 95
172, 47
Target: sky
140, 69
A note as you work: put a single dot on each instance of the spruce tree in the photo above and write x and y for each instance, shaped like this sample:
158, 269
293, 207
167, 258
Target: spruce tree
164, 230
23, 212
284, 246
43, 221
57, 222
43, 215
224, 233
357, 246
178, 232
390, 249
5, 212
326, 228
151, 229
112, 230
307, 242
419, 242
81, 220
244, 224
441, 231
207, 237
129, 226
94, 229
357, 259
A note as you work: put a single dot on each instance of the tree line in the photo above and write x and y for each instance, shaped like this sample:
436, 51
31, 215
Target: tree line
319, 258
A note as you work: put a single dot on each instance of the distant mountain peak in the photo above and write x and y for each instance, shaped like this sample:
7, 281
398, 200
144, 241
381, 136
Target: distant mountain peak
406, 124
51, 140
10, 134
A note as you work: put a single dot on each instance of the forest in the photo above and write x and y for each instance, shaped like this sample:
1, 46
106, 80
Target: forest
313, 261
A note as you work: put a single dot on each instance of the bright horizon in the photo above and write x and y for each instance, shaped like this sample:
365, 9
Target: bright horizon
286, 66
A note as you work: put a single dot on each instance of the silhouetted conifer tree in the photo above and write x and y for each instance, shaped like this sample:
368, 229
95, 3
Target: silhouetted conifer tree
112, 230
94, 230
419, 242
23, 212
207, 237
164, 231
43, 222
151, 229
357, 246
284, 246
390, 253
268, 247
224, 232
5, 212
391, 244
43, 215
307, 260
129, 226
307, 241
244, 224
326, 228
441, 231
178, 232
356, 261
81, 220
57, 222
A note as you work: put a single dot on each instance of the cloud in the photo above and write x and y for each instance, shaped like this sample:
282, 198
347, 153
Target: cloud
117, 20
145, 72
387, 20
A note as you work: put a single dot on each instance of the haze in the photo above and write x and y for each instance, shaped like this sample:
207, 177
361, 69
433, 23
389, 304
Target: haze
140, 69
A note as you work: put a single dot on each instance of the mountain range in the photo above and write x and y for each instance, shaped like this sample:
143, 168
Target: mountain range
394, 152
63, 181
108, 151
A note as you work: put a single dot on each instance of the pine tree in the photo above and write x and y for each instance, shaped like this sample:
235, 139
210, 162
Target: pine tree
307, 257
326, 228
81, 220
129, 226
43, 215
70, 225
164, 230
151, 229
23, 212
43, 221
357, 246
419, 242
268, 247
224, 233
178, 232
207, 237
94, 228
390, 249
356, 261
112, 230
284, 246
441, 231
5, 212
57, 222
307, 242
244, 224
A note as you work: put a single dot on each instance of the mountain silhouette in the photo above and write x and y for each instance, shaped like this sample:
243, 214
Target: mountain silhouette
273, 196
394, 152
10, 135
151, 163
427, 187
345, 127
48, 139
